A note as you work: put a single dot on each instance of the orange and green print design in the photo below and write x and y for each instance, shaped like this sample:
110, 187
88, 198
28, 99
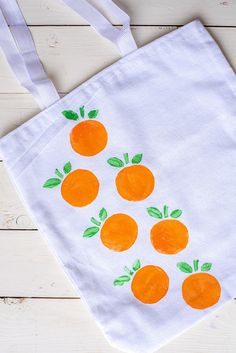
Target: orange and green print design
79, 187
200, 290
149, 283
118, 232
169, 235
134, 182
89, 137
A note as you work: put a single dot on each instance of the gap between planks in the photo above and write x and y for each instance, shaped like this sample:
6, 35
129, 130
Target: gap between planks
135, 25
20, 298
43, 297
21, 229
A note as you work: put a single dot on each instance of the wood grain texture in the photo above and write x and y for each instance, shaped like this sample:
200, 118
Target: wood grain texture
62, 326
29, 269
12, 213
142, 12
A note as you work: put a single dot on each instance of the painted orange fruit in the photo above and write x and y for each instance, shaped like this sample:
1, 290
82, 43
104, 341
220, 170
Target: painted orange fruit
200, 290
135, 182
88, 137
117, 232
149, 283
169, 236
79, 188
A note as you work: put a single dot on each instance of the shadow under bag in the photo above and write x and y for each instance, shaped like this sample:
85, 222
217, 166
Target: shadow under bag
131, 177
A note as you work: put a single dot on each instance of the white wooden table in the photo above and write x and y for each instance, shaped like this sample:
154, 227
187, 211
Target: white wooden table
39, 311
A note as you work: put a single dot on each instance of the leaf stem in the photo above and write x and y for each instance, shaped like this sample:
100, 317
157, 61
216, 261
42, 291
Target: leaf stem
195, 265
128, 271
126, 158
58, 173
165, 211
94, 221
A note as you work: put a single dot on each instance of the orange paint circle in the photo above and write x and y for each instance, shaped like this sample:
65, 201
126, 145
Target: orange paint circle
169, 236
80, 188
135, 183
150, 284
119, 232
88, 138
201, 290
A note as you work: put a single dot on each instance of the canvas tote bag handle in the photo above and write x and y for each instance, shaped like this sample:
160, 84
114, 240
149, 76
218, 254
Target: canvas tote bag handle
122, 38
18, 46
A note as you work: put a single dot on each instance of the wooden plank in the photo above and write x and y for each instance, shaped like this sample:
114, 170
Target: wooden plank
154, 12
28, 268
12, 213
62, 326
79, 53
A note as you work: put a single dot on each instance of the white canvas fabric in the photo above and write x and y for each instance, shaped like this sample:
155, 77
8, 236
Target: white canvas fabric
131, 180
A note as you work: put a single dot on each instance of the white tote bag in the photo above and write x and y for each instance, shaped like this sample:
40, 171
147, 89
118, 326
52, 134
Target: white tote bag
131, 176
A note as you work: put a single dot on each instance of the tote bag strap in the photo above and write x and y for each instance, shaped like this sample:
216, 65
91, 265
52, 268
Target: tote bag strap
122, 38
18, 46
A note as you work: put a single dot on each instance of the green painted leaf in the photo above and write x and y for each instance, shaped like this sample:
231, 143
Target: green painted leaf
206, 266
93, 114
128, 271
70, 114
103, 214
81, 111
94, 221
176, 213
184, 267
121, 280
115, 162
136, 265
67, 167
137, 159
90, 232
195, 265
126, 157
51, 183
58, 173
154, 212
165, 211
